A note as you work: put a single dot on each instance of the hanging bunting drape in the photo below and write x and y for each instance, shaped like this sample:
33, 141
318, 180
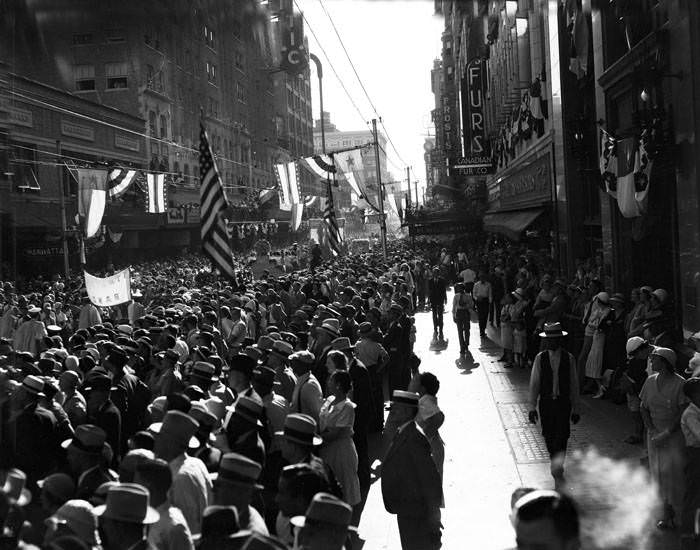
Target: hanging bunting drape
92, 197
119, 181
156, 193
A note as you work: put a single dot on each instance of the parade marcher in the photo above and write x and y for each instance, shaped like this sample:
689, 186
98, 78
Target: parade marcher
554, 392
462, 307
411, 485
662, 404
125, 516
437, 295
89, 314
30, 333
74, 402
394, 343
207, 452
325, 525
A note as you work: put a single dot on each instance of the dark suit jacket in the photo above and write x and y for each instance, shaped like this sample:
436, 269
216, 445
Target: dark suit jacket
36, 446
361, 395
437, 291
393, 340
410, 481
109, 419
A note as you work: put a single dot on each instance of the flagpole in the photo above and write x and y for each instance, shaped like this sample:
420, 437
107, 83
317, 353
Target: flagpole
62, 201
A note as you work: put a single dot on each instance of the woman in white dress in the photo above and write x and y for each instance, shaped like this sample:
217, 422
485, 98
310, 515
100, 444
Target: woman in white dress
338, 451
599, 323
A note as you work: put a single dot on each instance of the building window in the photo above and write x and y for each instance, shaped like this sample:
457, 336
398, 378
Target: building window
152, 124
115, 36
241, 93
149, 77
211, 72
116, 76
24, 170
163, 127
82, 39
84, 77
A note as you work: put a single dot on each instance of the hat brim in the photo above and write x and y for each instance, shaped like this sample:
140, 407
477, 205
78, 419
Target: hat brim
214, 476
316, 442
557, 335
152, 515
192, 444
300, 521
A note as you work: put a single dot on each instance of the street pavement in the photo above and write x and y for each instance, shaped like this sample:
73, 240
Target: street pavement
491, 449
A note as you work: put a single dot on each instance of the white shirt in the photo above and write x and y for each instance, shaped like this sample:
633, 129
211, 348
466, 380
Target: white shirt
307, 397
170, 532
482, 291
191, 490
468, 275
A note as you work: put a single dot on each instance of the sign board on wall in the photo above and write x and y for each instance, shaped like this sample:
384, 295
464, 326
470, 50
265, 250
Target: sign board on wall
532, 185
130, 143
77, 130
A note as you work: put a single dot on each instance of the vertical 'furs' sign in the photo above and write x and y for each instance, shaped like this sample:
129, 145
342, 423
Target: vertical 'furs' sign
475, 142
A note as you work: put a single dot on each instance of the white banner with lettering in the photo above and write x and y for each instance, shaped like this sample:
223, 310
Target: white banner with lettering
110, 291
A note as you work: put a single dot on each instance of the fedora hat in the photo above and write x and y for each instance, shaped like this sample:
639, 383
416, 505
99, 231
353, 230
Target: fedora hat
264, 343
300, 428
203, 370
282, 349
34, 385
249, 408
201, 414
216, 406
178, 426
218, 522
130, 503
303, 356
265, 376
15, 487
553, 330
331, 326
401, 397
88, 439
365, 327
238, 470
60, 486
242, 363
341, 344
256, 354
325, 510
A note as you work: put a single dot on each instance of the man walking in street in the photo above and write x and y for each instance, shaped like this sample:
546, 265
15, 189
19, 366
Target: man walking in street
411, 485
483, 296
437, 294
554, 387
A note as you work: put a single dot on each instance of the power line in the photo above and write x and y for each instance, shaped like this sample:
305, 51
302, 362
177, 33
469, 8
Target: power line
337, 76
354, 70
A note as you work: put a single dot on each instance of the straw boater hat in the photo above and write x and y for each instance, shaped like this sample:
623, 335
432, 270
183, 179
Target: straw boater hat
33, 385
301, 429
15, 487
130, 503
236, 469
326, 510
401, 397
553, 330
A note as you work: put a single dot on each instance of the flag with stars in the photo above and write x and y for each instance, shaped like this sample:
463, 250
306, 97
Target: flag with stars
213, 204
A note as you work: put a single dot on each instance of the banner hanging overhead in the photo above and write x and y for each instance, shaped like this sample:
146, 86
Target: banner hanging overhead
110, 291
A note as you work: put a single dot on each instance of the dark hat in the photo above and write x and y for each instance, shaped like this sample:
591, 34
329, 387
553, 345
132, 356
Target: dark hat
178, 426
242, 363
218, 522
88, 439
130, 503
300, 428
237, 469
365, 328
33, 384
401, 397
305, 357
326, 509
249, 408
203, 370
117, 356
15, 488
396, 308
282, 349
98, 382
342, 344
265, 376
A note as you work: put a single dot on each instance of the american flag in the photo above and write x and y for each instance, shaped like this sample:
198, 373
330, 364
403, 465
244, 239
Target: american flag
119, 180
331, 225
213, 204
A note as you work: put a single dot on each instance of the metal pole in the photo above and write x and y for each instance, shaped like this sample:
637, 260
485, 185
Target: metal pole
416, 184
319, 72
62, 199
408, 177
382, 219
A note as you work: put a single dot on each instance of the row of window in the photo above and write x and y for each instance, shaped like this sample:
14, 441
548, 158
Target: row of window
115, 73
115, 36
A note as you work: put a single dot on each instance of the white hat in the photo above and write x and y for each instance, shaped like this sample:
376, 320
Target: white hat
633, 344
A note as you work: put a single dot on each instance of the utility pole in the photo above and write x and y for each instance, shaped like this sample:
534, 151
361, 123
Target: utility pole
382, 219
408, 177
416, 184
62, 199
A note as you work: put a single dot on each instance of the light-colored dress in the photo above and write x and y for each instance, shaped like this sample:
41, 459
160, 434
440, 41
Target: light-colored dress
666, 461
506, 327
340, 454
594, 361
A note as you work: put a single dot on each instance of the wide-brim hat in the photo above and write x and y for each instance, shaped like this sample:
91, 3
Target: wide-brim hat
553, 330
178, 426
341, 344
237, 469
88, 439
300, 428
326, 509
401, 397
130, 503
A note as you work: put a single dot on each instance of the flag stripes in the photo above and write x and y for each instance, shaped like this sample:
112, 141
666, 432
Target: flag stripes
213, 204
156, 193
331, 226
119, 181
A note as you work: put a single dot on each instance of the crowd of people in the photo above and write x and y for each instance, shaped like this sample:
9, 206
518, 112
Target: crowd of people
238, 414
216, 414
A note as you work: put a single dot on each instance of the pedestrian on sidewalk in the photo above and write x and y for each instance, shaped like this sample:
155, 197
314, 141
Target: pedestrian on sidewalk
632, 381
411, 485
554, 391
690, 426
507, 330
437, 294
462, 307
483, 296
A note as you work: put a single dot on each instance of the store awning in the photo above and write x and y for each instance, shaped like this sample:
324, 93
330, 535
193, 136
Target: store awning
511, 224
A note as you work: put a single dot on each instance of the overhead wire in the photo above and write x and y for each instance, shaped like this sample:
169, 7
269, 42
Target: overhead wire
354, 70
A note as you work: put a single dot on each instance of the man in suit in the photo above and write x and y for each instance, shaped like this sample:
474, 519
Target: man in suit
437, 295
554, 390
102, 412
394, 341
411, 484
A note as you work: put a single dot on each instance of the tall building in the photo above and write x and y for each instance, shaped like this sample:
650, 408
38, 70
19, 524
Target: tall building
167, 64
438, 155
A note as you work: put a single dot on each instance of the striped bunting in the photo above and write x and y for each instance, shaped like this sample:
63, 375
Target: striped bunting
331, 225
156, 193
119, 181
213, 204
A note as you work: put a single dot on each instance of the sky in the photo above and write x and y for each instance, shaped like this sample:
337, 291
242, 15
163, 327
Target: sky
392, 45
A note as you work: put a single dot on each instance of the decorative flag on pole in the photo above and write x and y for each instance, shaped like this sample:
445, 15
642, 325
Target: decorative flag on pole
286, 176
332, 230
626, 157
156, 193
213, 204
119, 181
92, 197
608, 163
642, 171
